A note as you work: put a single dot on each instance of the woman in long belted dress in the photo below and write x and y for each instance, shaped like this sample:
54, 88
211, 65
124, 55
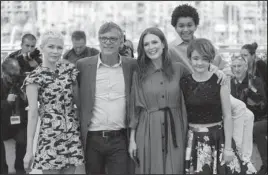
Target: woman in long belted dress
158, 118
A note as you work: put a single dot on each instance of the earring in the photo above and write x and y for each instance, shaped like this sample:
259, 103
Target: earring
209, 67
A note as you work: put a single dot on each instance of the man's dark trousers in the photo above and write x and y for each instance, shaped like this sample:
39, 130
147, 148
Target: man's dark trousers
106, 153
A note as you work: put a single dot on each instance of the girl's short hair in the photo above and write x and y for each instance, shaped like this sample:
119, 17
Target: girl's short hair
204, 47
50, 34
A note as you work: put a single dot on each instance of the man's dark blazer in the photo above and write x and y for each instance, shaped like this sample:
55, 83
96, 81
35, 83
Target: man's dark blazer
86, 89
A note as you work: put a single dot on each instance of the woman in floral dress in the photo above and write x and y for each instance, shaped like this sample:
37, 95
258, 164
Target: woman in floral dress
59, 148
210, 147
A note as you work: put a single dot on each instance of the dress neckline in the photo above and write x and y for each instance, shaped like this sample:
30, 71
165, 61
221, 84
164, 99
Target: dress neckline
203, 80
49, 69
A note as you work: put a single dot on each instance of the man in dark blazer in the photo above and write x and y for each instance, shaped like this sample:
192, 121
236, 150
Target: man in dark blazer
104, 84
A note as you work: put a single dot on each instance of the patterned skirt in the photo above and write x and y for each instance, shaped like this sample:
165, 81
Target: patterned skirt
204, 153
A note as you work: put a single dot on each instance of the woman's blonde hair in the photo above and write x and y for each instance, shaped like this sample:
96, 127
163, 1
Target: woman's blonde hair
50, 34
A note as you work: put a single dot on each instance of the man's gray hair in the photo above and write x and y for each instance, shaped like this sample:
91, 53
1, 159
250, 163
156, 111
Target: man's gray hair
108, 26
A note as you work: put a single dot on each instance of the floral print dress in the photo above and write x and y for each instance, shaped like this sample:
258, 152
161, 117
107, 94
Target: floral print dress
59, 143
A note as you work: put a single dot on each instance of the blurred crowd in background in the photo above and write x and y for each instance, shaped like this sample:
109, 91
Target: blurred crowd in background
227, 24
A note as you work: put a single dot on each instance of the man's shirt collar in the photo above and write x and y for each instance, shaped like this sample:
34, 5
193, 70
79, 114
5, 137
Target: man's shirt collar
99, 63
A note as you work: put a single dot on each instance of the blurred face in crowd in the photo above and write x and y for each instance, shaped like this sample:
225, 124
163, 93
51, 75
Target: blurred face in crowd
12, 73
200, 63
185, 28
110, 42
246, 55
52, 50
153, 46
239, 68
129, 48
79, 45
28, 45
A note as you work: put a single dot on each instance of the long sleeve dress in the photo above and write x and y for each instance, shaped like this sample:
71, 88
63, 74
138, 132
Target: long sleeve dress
159, 116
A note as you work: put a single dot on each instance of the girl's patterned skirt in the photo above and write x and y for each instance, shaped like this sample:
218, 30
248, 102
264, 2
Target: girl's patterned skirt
204, 153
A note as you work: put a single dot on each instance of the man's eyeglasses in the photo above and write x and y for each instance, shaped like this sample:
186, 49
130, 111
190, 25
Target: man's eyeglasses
105, 39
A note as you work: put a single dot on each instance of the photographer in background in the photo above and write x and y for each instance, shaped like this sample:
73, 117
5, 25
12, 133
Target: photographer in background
13, 113
13, 102
28, 56
127, 49
80, 49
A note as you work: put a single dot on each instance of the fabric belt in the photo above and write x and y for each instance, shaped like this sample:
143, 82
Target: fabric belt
205, 129
168, 113
108, 133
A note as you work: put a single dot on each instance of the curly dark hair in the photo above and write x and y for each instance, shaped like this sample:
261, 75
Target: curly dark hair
144, 61
184, 10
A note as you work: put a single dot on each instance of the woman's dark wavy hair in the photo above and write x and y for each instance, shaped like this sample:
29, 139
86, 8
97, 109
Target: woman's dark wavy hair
184, 10
251, 48
144, 61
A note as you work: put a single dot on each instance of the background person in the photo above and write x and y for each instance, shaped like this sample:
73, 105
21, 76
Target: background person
13, 113
256, 67
28, 56
127, 49
79, 50
250, 89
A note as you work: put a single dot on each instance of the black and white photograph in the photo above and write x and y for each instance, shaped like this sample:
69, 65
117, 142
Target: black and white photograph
134, 87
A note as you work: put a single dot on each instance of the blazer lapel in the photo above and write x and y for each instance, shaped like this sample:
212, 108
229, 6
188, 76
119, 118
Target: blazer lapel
92, 67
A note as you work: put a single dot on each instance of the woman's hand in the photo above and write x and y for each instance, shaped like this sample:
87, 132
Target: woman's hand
28, 159
132, 149
228, 155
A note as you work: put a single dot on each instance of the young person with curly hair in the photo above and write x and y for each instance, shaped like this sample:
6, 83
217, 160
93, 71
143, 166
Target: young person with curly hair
185, 20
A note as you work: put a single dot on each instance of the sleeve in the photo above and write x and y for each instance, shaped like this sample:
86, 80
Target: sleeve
134, 109
33, 78
182, 69
175, 56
